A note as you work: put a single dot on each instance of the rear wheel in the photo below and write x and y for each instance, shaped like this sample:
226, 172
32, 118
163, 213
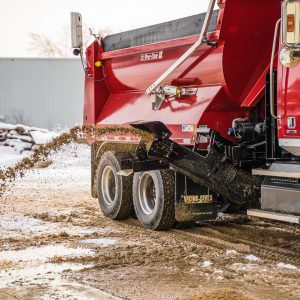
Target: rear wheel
153, 199
114, 191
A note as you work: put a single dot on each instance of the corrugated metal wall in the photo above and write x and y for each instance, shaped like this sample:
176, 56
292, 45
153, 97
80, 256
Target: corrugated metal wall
41, 92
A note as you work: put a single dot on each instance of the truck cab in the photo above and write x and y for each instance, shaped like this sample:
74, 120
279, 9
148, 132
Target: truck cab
280, 188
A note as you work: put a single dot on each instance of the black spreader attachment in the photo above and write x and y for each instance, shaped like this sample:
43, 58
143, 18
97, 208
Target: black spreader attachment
159, 129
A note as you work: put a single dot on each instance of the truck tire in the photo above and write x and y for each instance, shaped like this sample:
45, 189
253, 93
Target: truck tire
114, 191
154, 199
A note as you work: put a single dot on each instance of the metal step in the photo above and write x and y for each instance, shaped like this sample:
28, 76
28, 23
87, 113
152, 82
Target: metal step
280, 169
273, 216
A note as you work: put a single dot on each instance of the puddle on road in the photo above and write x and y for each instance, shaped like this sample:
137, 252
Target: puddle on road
100, 242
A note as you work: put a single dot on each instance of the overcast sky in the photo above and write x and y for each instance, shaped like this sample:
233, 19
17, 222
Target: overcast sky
18, 18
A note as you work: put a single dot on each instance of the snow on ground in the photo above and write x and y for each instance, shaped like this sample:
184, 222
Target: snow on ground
9, 157
286, 266
40, 137
252, 258
44, 264
70, 168
207, 264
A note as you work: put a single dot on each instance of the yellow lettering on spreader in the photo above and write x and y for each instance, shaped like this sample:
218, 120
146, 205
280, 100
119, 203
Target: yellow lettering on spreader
198, 199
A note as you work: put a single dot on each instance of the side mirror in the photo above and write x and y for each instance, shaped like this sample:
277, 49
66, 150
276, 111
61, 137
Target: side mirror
291, 23
76, 30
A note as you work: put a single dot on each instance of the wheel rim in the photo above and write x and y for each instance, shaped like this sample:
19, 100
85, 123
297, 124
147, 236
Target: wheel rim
108, 185
147, 193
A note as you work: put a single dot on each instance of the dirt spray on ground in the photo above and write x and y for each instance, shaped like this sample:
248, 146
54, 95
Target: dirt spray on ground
76, 134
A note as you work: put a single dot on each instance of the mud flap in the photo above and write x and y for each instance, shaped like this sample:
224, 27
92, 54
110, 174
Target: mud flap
195, 212
193, 202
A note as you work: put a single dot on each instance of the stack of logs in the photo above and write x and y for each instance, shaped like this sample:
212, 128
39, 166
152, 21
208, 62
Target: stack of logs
23, 139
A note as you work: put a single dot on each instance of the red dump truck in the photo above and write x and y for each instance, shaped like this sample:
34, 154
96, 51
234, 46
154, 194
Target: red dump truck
219, 91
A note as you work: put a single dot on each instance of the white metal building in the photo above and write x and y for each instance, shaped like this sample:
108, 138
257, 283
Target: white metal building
41, 92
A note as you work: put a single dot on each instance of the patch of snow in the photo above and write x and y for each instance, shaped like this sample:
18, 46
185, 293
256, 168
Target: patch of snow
261, 223
14, 225
218, 275
87, 231
10, 158
192, 256
20, 139
224, 217
4, 126
27, 153
207, 264
286, 266
40, 138
42, 254
39, 129
247, 267
19, 145
10, 225
101, 242
279, 229
231, 252
4, 150
252, 258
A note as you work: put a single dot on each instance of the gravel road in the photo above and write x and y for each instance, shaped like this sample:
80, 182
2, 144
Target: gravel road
56, 244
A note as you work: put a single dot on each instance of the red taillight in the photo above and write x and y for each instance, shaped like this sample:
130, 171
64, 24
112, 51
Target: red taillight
290, 23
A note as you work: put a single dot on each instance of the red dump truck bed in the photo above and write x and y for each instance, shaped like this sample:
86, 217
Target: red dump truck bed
229, 78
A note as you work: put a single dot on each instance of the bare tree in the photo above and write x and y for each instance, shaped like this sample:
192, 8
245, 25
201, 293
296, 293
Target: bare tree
42, 45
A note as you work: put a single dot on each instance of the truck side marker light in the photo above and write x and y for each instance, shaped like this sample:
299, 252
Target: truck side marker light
291, 23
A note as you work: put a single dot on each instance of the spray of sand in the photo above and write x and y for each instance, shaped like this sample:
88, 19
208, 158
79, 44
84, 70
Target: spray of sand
74, 135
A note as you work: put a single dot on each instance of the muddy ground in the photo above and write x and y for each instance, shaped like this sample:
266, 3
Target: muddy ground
56, 244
